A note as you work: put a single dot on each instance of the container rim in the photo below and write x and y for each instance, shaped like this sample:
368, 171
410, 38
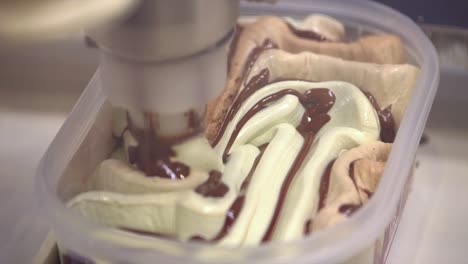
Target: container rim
331, 245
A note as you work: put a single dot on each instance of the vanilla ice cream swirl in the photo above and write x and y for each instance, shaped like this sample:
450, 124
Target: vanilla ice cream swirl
261, 180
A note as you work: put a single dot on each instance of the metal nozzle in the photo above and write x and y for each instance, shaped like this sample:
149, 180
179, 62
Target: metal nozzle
168, 58
157, 56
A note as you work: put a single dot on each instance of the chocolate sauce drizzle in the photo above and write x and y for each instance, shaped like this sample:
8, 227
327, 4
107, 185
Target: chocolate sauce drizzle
317, 103
194, 121
314, 100
367, 192
346, 209
254, 54
308, 227
349, 209
247, 179
213, 186
258, 81
353, 178
324, 185
252, 58
267, 44
387, 123
152, 154
313, 119
255, 83
231, 217
237, 205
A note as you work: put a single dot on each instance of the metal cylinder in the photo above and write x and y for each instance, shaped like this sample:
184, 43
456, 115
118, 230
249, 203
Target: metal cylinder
168, 58
169, 29
165, 87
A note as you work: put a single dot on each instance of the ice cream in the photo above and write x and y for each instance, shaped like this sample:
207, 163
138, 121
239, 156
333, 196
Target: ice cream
272, 32
293, 145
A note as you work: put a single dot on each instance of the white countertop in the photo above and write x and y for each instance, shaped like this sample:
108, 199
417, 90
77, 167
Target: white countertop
25, 135
39, 84
433, 228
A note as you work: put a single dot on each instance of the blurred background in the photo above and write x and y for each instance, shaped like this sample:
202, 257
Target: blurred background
40, 83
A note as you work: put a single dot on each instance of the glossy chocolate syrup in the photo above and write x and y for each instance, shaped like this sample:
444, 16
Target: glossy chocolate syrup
250, 61
152, 154
349, 209
317, 103
252, 111
353, 178
258, 81
213, 186
308, 139
194, 121
387, 123
308, 227
314, 100
236, 207
255, 82
269, 44
198, 238
367, 192
253, 56
346, 209
231, 217
247, 179
324, 185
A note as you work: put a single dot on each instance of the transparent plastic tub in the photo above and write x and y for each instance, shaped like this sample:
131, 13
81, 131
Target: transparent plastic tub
86, 139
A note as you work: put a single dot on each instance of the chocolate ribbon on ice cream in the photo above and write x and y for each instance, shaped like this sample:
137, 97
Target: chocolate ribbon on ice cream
353, 179
390, 84
295, 139
283, 125
251, 40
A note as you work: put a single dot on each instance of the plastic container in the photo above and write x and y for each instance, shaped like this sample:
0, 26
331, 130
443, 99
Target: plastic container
85, 140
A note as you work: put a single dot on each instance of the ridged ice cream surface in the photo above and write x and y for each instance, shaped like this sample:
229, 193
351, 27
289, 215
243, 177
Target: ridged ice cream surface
297, 142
